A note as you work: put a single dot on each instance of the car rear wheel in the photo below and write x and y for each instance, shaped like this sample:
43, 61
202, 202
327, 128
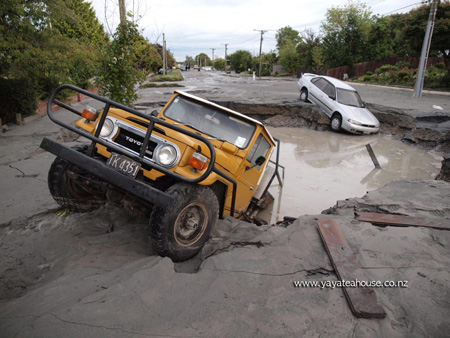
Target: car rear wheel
304, 95
336, 122
179, 231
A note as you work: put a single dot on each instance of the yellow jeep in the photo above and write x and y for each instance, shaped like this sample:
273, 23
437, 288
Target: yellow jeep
185, 166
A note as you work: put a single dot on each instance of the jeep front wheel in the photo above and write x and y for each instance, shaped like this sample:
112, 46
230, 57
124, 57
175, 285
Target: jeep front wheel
73, 188
180, 230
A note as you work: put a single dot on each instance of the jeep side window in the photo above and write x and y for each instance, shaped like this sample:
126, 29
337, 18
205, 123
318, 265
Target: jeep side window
260, 148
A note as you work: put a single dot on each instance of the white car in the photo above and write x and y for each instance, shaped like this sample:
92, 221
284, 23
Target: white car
340, 102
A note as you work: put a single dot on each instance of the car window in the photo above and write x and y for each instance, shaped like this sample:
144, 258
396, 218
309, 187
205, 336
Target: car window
260, 148
211, 121
349, 98
319, 83
330, 90
324, 86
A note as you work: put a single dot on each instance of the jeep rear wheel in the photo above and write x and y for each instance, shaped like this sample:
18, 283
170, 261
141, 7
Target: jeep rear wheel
180, 230
73, 188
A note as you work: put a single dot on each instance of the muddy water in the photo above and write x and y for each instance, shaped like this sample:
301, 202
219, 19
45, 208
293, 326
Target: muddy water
323, 167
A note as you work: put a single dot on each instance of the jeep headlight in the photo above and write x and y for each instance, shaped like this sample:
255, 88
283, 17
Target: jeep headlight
108, 128
166, 155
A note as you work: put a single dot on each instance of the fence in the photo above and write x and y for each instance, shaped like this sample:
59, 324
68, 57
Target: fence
359, 69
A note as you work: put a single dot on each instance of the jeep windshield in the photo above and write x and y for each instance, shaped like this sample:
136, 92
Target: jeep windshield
210, 120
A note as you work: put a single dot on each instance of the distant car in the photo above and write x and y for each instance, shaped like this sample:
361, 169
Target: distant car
183, 68
340, 102
207, 68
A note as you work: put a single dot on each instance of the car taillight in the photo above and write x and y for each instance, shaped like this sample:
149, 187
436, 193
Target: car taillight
90, 114
198, 161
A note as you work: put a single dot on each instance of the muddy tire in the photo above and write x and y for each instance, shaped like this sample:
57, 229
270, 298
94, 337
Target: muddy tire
304, 95
180, 230
336, 122
68, 191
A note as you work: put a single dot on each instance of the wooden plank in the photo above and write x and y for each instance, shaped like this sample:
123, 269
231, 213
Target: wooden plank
363, 301
400, 220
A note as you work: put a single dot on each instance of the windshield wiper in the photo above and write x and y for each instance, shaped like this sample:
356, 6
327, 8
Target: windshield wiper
217, 138
187, 125
208, 138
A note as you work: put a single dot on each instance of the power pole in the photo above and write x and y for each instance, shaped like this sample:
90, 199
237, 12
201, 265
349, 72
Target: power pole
122, 12
213, 55
425, 50
225, 44
260, 49
164, 54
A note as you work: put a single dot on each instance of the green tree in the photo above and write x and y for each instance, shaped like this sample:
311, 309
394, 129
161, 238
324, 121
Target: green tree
269, 58
203, 59
318, 59
345, 32
171, 62
285, 35
79, 22
289, 57
31, 46
380, 40
240, 60
147, 55
267, 62
414, 26
219, 64
305, 48
120, 73
189, 61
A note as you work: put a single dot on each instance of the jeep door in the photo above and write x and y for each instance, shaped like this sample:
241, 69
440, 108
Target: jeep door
249, 173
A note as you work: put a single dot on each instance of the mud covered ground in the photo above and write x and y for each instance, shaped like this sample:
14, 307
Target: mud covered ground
91, 282
94, 274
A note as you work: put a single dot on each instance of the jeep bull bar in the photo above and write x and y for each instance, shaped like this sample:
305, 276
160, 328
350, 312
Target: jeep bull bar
99, 169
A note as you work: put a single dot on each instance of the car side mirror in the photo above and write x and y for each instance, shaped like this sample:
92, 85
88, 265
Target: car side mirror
154, 113
259, 161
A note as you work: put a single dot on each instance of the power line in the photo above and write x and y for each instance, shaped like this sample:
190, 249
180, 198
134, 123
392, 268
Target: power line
417, 3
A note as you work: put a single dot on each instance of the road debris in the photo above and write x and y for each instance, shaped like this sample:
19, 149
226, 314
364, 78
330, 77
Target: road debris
372, 156
363, 301
403, 221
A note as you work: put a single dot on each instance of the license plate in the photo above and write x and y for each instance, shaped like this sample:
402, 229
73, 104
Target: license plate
123, 165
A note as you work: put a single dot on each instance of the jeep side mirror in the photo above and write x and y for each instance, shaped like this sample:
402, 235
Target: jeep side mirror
259, 161
154, 113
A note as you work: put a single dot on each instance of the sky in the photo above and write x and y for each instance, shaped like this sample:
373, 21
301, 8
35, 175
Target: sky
192, 27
